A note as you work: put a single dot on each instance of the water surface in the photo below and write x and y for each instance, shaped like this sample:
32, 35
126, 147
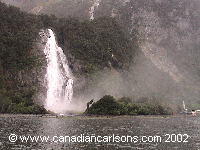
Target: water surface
102, 126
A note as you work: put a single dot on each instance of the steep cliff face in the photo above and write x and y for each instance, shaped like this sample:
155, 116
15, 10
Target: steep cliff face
21, 60
170, 29
168, 32
75, 8
90, 47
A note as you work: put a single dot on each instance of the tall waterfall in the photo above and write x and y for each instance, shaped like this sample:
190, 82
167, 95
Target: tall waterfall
94, 6
58, 76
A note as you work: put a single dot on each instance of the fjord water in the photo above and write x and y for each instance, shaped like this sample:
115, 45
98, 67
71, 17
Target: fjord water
58, 77
102, 126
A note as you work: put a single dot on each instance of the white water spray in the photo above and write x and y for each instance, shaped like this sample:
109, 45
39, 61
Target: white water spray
92, 9
58, 77
184, 105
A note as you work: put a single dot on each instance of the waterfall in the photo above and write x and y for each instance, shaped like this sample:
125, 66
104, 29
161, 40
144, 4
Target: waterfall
184, 105
58, 76
92, 9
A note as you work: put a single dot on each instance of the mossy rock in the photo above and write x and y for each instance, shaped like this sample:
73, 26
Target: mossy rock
105, 106
108, 105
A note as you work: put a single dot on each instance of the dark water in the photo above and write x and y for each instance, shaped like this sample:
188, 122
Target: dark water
101, 126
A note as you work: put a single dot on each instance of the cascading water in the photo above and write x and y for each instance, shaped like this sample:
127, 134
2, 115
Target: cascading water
93, 7
59, 78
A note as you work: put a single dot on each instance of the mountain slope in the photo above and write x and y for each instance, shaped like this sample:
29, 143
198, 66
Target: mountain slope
23, 63
171, 25
167, 64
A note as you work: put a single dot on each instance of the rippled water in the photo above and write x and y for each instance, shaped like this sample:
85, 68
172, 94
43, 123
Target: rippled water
75, 126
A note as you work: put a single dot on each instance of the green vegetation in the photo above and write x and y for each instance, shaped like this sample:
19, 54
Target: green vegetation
19, 102
193, 105
105, 106
90, 46
18, 34
98, 44
94, 45
108, 105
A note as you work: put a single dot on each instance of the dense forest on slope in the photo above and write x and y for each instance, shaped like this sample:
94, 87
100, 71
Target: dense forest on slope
169, 30
18, 32
98, 44
93, 45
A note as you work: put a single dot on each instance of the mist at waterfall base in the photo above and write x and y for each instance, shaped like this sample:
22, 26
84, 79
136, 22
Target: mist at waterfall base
59, 79
167, 64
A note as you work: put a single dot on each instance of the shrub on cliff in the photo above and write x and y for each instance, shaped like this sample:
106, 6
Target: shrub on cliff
97, 44
109, 106
5, 102
22, 109
105, 106
93, 45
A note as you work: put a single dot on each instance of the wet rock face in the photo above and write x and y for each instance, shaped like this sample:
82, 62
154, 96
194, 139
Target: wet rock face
35, 76
171, 25
41, 70
169, 31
